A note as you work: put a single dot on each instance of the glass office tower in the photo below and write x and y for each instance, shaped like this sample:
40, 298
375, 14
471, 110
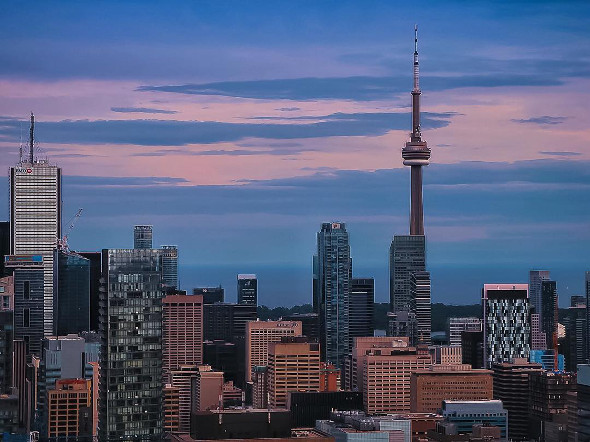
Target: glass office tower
247, 289
131, 354
142, 237
170, 266
407, 255
332, 274
71, 303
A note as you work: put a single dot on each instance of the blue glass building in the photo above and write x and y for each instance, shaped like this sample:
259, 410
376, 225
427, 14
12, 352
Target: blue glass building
71, 293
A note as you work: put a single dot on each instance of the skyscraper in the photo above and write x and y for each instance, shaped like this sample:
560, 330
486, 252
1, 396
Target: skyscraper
420, 291
506, 327
170, 267
183, 330
407, 255
332, 270
131, 356
35, 217
587, 284
361, 307
549, 315
71, 302
247, 289
142, 237
536, 277
29, 308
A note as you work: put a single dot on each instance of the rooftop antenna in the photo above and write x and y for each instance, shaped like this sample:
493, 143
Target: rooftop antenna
31, 138
416, 67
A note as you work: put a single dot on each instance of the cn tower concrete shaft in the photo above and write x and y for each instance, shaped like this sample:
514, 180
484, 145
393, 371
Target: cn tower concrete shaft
416, 207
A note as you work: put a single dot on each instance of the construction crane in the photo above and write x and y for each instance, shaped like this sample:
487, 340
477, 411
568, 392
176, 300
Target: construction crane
62, 243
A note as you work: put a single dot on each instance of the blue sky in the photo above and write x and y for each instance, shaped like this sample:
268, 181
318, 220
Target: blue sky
237, 128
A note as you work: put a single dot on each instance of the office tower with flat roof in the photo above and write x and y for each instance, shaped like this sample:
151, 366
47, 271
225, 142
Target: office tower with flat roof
180, 378
29, 300
259, 335
95, 259
420, 291
131, 354
361, 308
35, 217
206, 389
472, 348
536, 277
332, 271
171, 403
260, 387
71, 287
4, 244
227, 321
506, 326
309, 322
142, 237
446, 354
575, 345
293, 365
538, 338
210, 295
548, 392
430, 386
222, 356
69, 403
583, 399
6, 345
6, 292
182, 323
459, 325
511, 386
170, 267
385, 377
247, 289
549, 315
407, 255
402, 324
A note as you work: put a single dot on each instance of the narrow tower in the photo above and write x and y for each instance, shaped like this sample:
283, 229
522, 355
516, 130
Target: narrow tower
416, 153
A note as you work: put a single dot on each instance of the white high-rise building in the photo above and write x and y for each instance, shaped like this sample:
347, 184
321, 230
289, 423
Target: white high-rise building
35, 217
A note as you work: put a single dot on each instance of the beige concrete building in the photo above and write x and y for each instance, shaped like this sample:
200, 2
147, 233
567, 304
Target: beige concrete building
385, 371
181, 379
354, 368
170, 408
429, 387
446, 354
70, 408
182, 328
259, 334
206, 389
293, 365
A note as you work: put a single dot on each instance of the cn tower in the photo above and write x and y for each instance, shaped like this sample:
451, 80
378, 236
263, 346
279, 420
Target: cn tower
416, 153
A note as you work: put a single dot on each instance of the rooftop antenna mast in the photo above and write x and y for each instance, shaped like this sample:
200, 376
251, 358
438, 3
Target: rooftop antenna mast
31, 138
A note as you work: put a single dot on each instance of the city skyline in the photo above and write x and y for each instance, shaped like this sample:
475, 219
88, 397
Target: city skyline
242, 159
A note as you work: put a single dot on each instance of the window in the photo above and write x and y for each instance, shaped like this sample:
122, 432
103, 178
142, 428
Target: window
26, 290
26, 317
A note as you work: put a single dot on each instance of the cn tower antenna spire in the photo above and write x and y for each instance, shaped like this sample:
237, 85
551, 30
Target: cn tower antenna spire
416, 152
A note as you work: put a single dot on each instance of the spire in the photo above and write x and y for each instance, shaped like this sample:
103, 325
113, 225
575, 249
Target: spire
31, 138
416, 66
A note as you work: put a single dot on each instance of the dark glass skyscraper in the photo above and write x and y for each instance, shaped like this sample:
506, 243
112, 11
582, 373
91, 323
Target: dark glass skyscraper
247, 289
131, 355
170, 267
407, 255
71, 298
142, 237
549, 317
361, 307
29, 283
210, 295
332, 270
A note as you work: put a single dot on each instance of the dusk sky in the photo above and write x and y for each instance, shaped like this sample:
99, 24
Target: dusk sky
237, 127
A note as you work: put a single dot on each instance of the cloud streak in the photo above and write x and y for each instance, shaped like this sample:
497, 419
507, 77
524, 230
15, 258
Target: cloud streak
543, 120
179, 133
142, 110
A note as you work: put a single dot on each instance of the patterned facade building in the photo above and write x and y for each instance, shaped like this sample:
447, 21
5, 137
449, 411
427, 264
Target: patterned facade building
506, 325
